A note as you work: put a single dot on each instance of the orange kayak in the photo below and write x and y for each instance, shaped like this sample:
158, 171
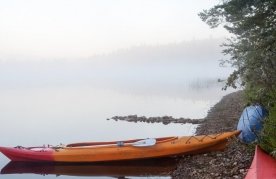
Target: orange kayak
121, 150
263, 166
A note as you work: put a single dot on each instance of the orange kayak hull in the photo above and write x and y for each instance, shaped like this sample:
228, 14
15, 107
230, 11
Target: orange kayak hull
121, 150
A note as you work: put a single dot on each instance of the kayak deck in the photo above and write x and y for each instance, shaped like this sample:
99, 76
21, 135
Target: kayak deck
126, 142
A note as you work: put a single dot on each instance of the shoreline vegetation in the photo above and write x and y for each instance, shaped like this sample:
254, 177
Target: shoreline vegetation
233, 162
252, 51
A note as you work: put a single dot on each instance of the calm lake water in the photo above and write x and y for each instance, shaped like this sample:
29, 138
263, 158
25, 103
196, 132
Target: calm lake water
63, 102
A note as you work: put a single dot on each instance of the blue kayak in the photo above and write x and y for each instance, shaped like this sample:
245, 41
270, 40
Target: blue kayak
251, 123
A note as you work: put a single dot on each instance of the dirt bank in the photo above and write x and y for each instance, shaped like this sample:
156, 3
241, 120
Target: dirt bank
231, 163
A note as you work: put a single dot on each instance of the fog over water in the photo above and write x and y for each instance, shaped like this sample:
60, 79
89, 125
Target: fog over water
62, 96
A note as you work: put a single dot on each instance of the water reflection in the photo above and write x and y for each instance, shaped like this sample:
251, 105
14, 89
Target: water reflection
150, 168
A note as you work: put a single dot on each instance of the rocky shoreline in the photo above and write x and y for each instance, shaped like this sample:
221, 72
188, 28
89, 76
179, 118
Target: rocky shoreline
231, 163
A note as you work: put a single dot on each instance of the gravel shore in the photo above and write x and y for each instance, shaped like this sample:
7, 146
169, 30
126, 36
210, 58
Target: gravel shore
231, 163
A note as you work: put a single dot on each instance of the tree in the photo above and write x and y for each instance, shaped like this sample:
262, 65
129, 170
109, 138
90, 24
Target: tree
252, 50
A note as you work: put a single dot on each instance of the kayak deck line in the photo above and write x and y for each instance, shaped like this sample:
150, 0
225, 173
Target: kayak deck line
121, 150
131, 142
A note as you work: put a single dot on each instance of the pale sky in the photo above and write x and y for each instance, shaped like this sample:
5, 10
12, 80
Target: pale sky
63, 29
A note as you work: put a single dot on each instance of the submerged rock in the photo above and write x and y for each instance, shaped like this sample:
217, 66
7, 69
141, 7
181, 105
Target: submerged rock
164, 119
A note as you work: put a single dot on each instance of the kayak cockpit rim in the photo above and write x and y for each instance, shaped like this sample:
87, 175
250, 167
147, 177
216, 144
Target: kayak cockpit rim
126, 142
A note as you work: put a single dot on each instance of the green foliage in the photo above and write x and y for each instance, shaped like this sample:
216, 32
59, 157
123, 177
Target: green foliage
252, 51
268, 141
253, 46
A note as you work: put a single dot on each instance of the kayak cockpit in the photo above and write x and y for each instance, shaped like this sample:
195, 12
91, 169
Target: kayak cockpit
120, 143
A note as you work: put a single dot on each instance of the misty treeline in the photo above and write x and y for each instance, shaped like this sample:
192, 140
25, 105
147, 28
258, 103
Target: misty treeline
252, 48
